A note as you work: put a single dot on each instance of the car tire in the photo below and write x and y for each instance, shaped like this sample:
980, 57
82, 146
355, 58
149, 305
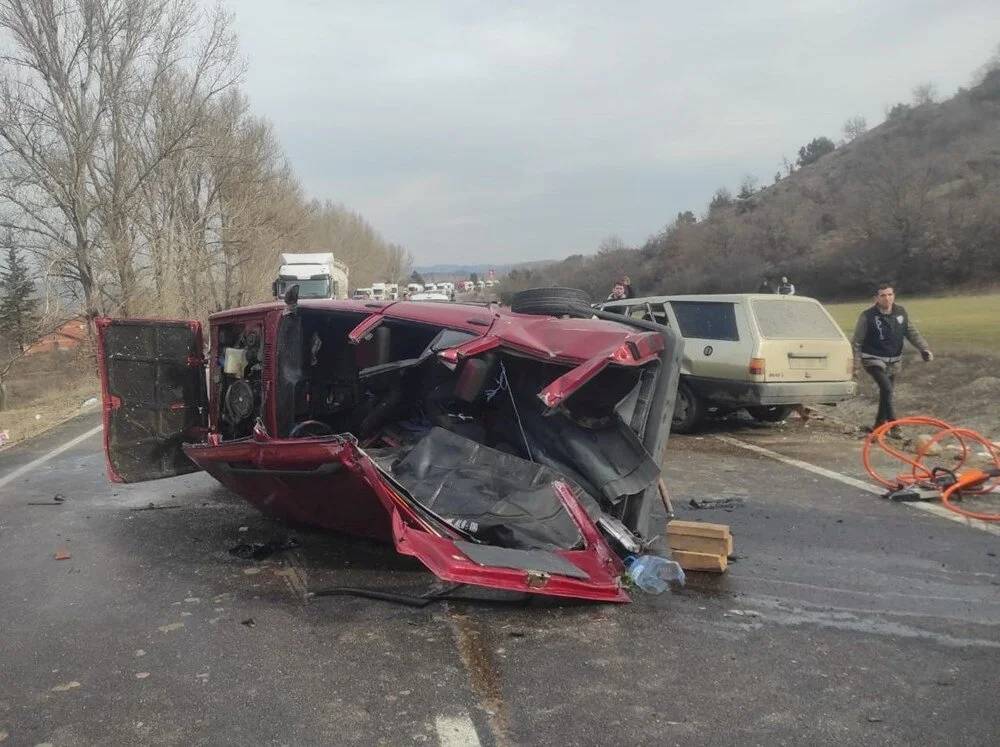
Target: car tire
689, 410
770, 413
552, 302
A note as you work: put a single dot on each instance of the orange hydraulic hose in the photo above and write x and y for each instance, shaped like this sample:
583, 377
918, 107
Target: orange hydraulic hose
970, 481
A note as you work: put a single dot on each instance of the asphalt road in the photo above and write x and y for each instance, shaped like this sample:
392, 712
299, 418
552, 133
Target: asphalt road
846, 620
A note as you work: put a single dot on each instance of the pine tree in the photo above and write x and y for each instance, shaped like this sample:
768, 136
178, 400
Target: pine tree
18, 305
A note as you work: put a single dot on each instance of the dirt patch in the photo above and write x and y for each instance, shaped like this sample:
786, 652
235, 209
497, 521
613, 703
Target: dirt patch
960, 389
50, 410
47, 389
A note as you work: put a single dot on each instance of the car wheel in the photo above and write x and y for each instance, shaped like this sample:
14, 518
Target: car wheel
688, 410
552, 302
770, 413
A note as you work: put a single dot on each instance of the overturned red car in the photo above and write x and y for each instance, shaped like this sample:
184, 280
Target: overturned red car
512, 448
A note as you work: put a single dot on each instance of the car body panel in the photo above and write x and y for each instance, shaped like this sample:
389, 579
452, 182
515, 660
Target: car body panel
734, 394
304, 481
292, 479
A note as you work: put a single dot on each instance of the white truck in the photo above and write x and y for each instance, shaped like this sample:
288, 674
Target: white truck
318, 275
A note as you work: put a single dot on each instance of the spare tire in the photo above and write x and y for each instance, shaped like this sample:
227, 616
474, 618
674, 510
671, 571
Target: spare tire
552, 302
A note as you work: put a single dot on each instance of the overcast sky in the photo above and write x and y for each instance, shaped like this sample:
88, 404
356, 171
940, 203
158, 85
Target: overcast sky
496, 132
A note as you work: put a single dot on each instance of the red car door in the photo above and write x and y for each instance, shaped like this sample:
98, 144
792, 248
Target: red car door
155, 399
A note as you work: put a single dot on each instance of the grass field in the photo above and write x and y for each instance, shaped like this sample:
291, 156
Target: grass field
953, 323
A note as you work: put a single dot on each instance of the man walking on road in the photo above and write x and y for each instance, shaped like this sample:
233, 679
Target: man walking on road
878, 346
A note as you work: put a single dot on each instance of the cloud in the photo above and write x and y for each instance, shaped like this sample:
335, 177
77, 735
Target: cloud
536, 131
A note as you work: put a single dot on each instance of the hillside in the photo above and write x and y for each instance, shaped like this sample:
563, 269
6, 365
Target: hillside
915, 199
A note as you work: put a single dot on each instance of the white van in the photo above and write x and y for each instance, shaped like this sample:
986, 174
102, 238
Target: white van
765, 353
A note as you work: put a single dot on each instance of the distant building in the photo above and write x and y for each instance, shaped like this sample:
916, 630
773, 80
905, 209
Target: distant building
68, 336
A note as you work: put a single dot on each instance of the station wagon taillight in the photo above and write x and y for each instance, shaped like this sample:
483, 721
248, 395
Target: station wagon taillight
757, 367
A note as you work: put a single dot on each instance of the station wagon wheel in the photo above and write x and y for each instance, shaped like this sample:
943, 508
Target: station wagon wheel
689, 410
770, 413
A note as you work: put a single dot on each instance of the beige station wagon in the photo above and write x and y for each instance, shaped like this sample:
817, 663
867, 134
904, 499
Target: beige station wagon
765, 353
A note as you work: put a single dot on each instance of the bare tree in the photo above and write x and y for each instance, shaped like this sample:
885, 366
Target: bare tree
748, 187
338, 229
855, 127
612, 243
398, 263
80, 129
925, 93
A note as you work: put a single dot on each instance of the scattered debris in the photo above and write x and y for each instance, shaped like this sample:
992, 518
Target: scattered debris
654, 574
925, 444
141, 675
62, 554
57, 500
243, 529
89, 402
170, 627
140, 652
700, 546
66, 687
154, 507
4, 438
727, 504
261, 550
249, 622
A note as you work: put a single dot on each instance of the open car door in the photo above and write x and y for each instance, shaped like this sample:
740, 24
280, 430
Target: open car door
154, 391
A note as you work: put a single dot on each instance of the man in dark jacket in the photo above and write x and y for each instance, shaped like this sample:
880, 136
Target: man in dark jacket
878, 346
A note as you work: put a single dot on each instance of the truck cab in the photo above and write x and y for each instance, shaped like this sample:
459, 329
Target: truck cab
318, 275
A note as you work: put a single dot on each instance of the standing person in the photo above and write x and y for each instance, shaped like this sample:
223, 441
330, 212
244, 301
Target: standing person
765, 286
878, 346
786, 288
627, 283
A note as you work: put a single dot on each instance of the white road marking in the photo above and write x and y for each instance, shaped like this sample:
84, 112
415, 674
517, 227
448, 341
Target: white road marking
456, 732
931, 508
51, 455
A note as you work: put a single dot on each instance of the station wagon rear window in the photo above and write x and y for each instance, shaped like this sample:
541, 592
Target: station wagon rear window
706, 320
779, 319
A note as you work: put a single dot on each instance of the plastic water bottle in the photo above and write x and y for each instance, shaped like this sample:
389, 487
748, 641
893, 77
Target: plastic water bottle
654, 574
